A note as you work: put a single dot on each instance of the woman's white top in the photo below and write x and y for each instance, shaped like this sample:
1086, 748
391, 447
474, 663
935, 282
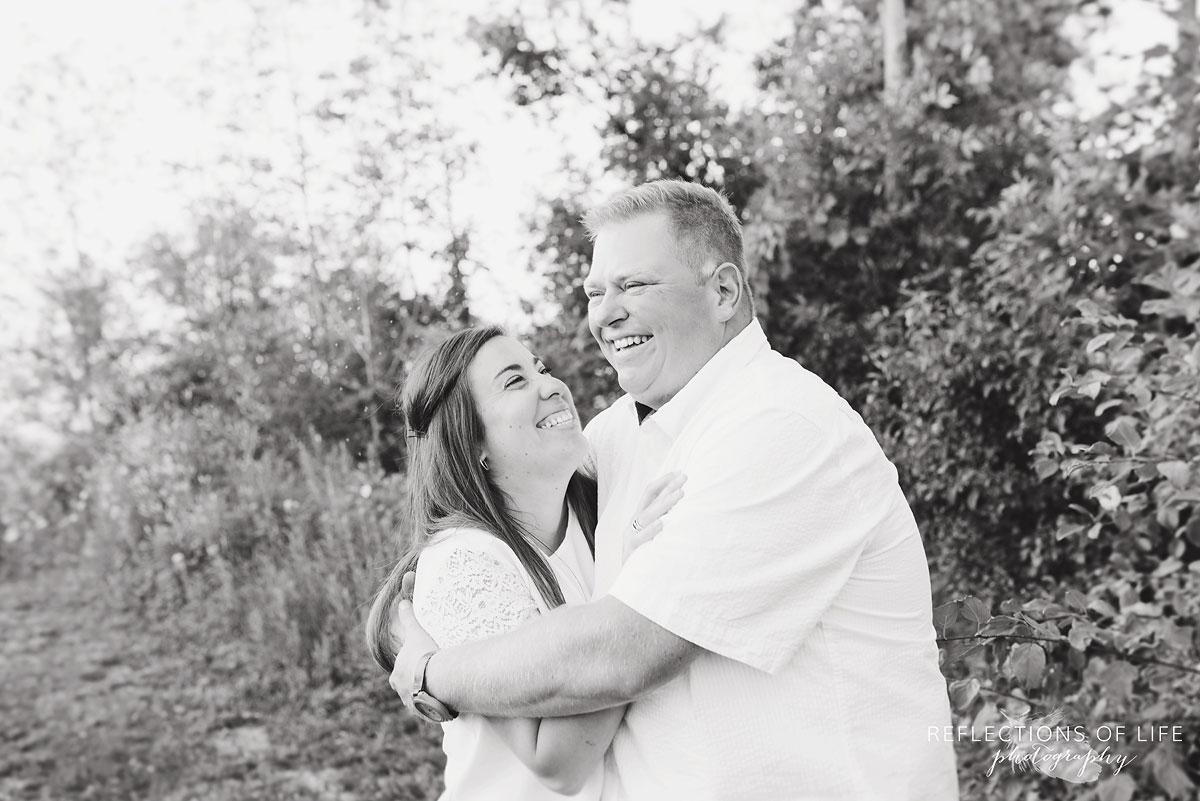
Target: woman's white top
470, 585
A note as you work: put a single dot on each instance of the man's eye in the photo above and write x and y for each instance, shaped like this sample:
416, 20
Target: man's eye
634, 285
593, 294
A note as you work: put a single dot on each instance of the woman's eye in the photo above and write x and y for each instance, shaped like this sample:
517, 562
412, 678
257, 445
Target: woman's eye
512, 382
544, 370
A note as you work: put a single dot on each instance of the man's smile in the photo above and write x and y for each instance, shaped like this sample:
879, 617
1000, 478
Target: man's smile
626, 343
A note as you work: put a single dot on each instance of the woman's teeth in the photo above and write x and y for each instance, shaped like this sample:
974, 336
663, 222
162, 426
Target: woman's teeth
556, 419
629, 342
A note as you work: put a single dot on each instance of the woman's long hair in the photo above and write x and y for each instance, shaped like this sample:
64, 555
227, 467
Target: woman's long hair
450, 488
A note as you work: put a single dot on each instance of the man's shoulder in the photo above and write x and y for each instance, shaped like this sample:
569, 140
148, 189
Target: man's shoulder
777, 383
618, 413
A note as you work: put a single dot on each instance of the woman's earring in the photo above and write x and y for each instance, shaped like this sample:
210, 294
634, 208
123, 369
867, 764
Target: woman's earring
483, 462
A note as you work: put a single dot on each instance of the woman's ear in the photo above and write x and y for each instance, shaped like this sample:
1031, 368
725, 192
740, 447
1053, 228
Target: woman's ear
728, 280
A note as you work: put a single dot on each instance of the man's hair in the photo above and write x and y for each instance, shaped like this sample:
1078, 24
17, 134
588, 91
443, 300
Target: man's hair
706, 229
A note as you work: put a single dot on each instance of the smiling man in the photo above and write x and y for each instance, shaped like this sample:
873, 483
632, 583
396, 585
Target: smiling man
776, 637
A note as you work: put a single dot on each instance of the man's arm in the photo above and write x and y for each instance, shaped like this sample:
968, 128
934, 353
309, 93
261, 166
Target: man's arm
578, 658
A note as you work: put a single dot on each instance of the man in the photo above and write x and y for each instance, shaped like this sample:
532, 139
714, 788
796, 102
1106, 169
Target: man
776, 636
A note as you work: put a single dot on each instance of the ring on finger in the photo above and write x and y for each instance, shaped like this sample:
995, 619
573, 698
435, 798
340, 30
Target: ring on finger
636, 525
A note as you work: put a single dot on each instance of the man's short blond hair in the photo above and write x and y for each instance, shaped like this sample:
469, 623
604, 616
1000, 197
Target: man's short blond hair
706, 229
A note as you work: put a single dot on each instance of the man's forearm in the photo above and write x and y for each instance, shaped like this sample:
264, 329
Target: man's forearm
573, 660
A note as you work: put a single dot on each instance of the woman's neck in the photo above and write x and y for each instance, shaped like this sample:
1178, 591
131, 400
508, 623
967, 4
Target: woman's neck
540, 506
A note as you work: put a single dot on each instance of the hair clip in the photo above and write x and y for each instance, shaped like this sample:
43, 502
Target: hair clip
411, 434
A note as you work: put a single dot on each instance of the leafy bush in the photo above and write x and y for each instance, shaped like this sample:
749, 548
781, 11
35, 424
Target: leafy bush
1112, 638
281, 550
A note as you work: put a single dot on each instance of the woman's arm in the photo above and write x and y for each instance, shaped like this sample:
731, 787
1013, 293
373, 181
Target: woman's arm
562, 752
466, 594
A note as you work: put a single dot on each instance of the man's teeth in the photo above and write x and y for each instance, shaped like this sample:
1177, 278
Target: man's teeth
629, 342
556, 419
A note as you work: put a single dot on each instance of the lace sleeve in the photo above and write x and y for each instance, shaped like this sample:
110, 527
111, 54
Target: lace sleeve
469, 595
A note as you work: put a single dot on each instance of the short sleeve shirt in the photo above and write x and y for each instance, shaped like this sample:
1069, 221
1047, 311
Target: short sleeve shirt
794, 561
470, 585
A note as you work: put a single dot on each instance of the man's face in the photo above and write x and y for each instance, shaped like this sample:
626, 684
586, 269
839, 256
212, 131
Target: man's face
655, 324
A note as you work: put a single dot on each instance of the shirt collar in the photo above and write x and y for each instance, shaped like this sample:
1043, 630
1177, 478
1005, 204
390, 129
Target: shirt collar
736, 353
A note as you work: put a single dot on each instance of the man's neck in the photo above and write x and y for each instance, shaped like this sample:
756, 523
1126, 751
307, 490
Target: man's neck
734, 326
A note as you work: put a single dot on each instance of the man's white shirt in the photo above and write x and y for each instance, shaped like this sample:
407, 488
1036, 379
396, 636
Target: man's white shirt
794, 561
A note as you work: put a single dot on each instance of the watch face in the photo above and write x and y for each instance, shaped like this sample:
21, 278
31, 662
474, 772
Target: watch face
434, 711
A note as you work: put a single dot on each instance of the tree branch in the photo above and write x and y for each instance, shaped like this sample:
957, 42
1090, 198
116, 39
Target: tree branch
1132, 657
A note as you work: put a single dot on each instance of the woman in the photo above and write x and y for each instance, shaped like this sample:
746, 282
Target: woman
505, 520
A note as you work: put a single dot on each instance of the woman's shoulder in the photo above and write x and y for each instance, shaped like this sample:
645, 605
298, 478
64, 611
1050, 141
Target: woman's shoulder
466, 540
470, 585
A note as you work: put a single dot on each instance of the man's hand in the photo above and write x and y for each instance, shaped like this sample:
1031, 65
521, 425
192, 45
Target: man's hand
411, 641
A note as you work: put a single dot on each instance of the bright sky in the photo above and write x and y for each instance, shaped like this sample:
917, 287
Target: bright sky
148, 64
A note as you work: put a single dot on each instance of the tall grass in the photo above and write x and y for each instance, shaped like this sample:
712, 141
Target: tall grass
279, 550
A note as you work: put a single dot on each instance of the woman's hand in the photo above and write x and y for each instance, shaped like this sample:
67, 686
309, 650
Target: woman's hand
662, 494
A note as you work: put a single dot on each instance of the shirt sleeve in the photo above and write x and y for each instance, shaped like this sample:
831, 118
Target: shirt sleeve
774, 516
465, 592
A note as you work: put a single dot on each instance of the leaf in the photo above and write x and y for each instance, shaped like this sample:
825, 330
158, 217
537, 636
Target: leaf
963, 692
1109, 498
1045, 468
1143, 609
1123, 433
1193, 532
1118, 678
1116, 788
1176, 472
976, 611
838, 233
957, 650
988, 713
1099, 341
1076, 600
1027, 662
1163, 763
999, 625
1081, 635
1010, 606
944, 615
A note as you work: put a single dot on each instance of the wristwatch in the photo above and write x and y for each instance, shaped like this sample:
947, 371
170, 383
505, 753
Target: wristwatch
424, 704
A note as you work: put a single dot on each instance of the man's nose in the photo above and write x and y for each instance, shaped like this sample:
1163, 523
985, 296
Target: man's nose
607, 310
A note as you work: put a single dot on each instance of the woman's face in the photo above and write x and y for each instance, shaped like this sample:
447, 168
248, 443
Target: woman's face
532, 429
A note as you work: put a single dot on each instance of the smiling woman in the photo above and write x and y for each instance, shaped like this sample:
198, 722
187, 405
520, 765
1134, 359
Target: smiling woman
505, 531
533, 440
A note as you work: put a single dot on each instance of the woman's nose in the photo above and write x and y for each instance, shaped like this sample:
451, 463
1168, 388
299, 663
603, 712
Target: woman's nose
552, 386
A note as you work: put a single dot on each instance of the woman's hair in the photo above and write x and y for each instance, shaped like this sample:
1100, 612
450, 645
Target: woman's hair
449, 487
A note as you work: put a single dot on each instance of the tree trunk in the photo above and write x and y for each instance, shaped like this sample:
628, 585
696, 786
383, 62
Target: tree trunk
895, 46
1185, 82
895, 42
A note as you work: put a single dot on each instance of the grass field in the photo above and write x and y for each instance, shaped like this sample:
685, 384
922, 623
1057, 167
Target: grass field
98, 703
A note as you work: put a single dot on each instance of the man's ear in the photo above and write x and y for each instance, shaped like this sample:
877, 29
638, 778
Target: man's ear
728, 280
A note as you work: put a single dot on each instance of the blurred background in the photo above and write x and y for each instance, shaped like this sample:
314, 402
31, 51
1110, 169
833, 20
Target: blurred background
226, 228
